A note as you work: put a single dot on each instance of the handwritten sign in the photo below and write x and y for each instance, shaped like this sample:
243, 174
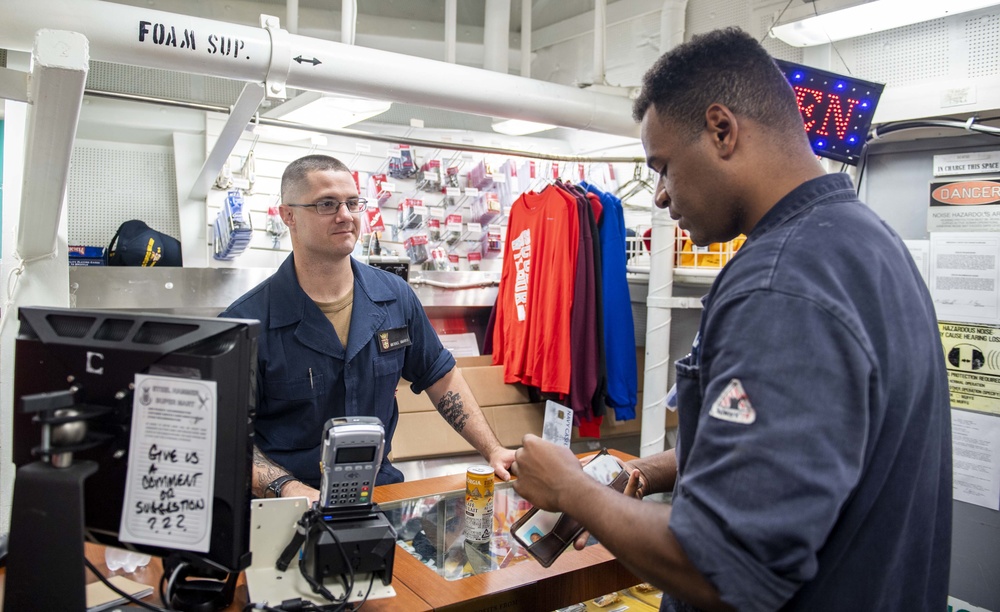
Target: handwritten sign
171, 464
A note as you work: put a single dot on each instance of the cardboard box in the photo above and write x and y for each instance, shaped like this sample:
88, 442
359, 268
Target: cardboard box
426, 434
408, 401
489, 389
511, 422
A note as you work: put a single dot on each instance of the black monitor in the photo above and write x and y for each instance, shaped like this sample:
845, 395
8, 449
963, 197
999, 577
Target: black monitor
90, 359
837, 110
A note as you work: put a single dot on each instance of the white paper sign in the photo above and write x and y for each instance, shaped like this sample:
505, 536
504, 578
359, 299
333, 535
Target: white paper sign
965, 277
557, 426
975, 440
978, 162
920, 250
171, 464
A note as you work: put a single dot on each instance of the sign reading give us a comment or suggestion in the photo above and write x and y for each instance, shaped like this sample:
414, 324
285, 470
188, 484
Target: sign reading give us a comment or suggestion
171, 465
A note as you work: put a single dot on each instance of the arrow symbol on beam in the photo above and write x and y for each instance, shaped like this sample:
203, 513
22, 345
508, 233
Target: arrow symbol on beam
312, 61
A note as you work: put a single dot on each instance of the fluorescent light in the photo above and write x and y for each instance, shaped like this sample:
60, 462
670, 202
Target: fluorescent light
868, 18
327, 110
517, 127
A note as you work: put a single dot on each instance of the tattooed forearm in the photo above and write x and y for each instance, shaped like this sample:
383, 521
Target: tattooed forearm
264, 471
452, 409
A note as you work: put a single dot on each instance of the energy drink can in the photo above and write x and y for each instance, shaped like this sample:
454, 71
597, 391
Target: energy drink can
479, 503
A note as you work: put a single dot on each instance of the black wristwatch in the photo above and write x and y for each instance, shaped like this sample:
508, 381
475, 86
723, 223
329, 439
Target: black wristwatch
276, 485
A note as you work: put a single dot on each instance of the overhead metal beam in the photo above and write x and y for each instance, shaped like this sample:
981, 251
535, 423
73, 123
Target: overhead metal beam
60, 61
243, 111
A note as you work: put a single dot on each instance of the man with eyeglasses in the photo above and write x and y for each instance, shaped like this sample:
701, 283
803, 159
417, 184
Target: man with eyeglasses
338, 335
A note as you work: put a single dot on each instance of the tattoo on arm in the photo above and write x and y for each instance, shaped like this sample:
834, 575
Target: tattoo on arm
264, 471
452, 409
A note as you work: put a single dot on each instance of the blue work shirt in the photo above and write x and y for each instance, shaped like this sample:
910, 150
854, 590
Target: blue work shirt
814, 451
306, 376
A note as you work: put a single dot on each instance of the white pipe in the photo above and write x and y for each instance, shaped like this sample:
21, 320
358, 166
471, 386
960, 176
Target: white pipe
525, 38
292, 16
600, 48
145, 37
450, 30
661, 280
496, 35
672, 24
348, 21
60, 61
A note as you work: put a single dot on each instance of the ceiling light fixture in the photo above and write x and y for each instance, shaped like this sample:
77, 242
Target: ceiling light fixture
869, 18
327, 110
517, 127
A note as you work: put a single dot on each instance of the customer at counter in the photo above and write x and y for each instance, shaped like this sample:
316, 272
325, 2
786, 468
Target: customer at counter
337, 336
813, 465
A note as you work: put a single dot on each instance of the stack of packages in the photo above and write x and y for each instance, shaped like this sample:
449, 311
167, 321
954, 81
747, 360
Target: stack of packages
233, 228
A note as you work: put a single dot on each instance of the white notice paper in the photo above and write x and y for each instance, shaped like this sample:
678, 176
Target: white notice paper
965, 276
920, 250
171, 464
975, 440
557, 426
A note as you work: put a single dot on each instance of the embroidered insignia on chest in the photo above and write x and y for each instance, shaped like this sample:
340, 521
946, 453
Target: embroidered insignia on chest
733, 405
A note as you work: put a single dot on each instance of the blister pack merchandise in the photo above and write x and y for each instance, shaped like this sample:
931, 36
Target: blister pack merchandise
233, 228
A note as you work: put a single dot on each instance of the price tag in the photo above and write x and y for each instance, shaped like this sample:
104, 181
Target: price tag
437, 213
471, 191
499, 178
475, 228
361, 147
391, 187
454, 192
420, 210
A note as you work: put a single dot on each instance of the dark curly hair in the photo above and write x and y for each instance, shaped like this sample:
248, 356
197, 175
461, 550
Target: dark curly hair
294, 176
725, 66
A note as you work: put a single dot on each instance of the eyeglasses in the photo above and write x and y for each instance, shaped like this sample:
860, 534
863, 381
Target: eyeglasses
331, 207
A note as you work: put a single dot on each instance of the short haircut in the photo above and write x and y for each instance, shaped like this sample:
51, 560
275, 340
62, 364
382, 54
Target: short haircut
294, 177
724, 66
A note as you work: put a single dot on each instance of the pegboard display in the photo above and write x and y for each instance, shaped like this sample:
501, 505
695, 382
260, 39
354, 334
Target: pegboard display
983, 35
154, 82
774, 46
903, 55
108, 186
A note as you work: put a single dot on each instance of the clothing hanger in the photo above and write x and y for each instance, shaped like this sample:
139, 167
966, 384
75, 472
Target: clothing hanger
635, 185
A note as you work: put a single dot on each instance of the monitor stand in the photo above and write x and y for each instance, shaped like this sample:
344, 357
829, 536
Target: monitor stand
45, 561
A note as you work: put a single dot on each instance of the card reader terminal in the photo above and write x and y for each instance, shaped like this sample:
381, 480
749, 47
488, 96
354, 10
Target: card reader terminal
351, 457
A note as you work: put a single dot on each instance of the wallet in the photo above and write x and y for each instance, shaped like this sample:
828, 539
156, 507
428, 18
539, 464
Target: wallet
545, 535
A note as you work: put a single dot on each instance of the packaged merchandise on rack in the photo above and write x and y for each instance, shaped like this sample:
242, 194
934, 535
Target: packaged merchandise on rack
416, 248
474, 260
275, 227
494, 241
480, 176
486, 207
429, 176
434, 229
441, 261
452, 232
401, 163
412, 213
233, 229
451, 177
379, 189
473, 239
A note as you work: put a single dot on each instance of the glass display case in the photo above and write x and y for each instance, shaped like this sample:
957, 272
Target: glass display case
432, 529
